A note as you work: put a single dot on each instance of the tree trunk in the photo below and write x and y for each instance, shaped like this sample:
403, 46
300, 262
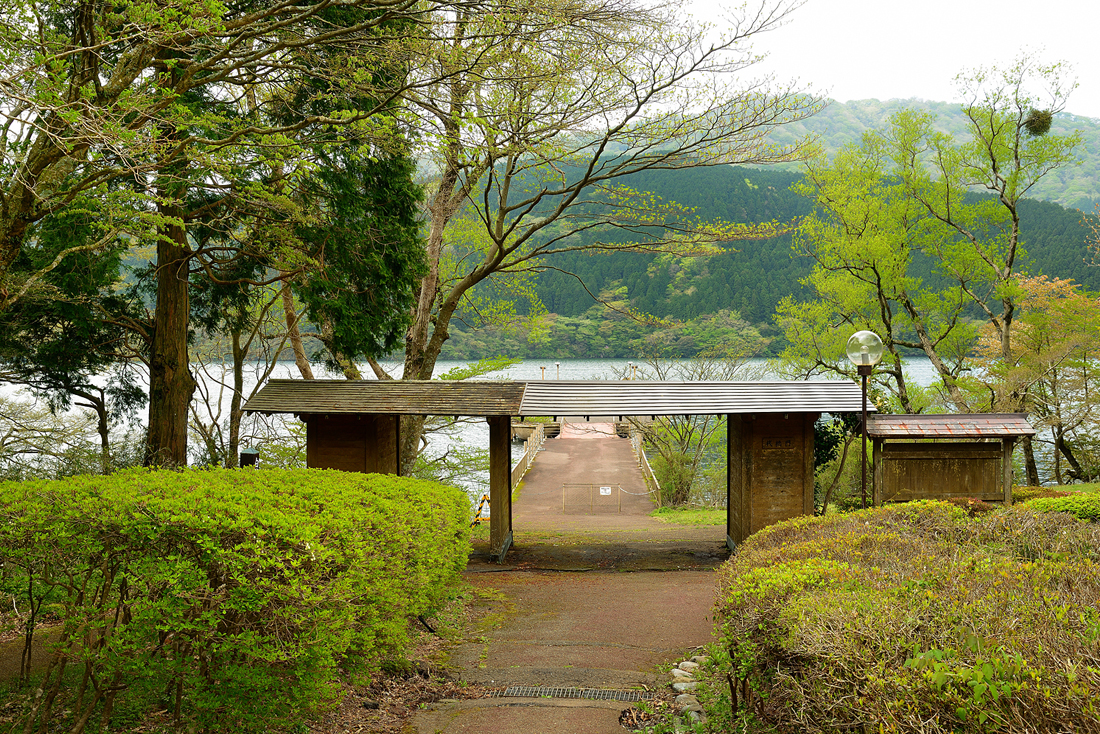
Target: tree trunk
171, 384
1076, 471
104, 429
1029, 462
232, 457
98, 403
348, 367
411, 436
294, 335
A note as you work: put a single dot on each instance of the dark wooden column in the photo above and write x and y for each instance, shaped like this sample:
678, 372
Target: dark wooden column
770, 471
876, 472
737, 489
1006, 468
809, 420
500, 486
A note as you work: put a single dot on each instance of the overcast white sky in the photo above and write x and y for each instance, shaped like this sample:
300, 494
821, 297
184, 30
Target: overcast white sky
885, 49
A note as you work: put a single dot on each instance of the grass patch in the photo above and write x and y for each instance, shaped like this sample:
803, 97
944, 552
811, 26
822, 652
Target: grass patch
690, 516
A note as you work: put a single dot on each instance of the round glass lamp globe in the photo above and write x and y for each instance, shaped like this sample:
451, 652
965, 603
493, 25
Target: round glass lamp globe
864, 348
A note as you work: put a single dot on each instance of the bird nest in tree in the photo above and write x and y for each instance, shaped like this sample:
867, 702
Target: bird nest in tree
1038, 122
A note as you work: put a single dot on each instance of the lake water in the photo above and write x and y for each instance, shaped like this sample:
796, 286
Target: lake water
213, 394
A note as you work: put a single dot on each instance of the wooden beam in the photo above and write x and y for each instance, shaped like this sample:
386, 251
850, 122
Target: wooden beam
1006, 468
500, 486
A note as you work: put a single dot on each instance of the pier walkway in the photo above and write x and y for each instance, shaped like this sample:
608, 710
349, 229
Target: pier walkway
583, 458
589, 597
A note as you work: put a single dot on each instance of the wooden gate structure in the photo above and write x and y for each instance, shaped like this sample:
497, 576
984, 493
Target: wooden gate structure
944, 456
353, 425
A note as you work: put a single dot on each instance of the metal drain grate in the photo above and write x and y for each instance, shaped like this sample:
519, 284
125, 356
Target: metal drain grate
592, 693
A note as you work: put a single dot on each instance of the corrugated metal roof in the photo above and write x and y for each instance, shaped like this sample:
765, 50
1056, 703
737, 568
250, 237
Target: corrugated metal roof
641, 397
970, 425
401, 397
554, 397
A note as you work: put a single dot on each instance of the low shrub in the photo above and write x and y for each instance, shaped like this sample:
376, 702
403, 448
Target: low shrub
1023, 494
228, 598
1082, 506
972, 505
914, 617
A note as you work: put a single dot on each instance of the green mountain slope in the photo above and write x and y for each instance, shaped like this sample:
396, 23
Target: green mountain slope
842, 123
750, 277
739, 288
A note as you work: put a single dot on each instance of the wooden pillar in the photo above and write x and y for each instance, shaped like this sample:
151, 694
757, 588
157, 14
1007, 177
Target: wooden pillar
737, 491
1006, 468
808, 434
876, 472
500, 486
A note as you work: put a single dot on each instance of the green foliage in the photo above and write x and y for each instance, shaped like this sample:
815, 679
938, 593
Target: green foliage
844, 123
228, 597
916, 616
370, 246
693, 292
480, 368
1085, 506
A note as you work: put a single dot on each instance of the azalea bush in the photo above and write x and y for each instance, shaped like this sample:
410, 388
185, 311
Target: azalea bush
1085, 506
228, 598
915, 617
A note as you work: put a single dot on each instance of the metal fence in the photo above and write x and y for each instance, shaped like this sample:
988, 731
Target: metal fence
591, 499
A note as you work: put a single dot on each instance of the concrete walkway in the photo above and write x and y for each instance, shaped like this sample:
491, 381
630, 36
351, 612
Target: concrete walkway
587, 454
644, 598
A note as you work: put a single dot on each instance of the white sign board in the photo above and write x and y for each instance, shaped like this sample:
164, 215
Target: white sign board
605, 491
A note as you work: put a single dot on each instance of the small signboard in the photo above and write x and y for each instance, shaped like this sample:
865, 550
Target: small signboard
605, 491
778, 443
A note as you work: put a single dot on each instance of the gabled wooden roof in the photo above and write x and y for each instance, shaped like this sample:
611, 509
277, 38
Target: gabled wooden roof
641, 397
970, 425
400, 397
552, 397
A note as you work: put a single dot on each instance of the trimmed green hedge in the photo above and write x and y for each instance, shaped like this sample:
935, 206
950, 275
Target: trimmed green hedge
1084, 506
228, 597
915, 617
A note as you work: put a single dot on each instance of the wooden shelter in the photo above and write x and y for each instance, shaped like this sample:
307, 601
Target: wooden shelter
353, 425
969, 456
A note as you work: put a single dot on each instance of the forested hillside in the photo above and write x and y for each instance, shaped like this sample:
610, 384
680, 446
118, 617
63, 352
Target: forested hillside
741, 286
842, 123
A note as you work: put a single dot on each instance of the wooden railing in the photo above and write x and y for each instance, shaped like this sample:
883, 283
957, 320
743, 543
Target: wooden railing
531, 448
643, 462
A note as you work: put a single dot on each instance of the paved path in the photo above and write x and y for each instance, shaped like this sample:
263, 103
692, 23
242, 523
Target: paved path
603, 628
585, 454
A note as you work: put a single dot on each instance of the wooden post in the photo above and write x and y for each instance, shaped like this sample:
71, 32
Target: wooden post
736, 504
808, 432
500, 487
1006, 468
876, 472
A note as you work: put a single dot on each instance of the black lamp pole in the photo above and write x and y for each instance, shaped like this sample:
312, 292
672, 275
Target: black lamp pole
864, 370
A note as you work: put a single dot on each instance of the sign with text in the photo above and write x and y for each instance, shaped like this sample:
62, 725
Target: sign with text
778, 443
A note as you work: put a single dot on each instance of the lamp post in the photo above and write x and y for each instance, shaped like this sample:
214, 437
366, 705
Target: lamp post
864, 349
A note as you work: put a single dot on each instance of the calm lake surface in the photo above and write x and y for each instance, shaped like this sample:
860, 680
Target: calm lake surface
213, 394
